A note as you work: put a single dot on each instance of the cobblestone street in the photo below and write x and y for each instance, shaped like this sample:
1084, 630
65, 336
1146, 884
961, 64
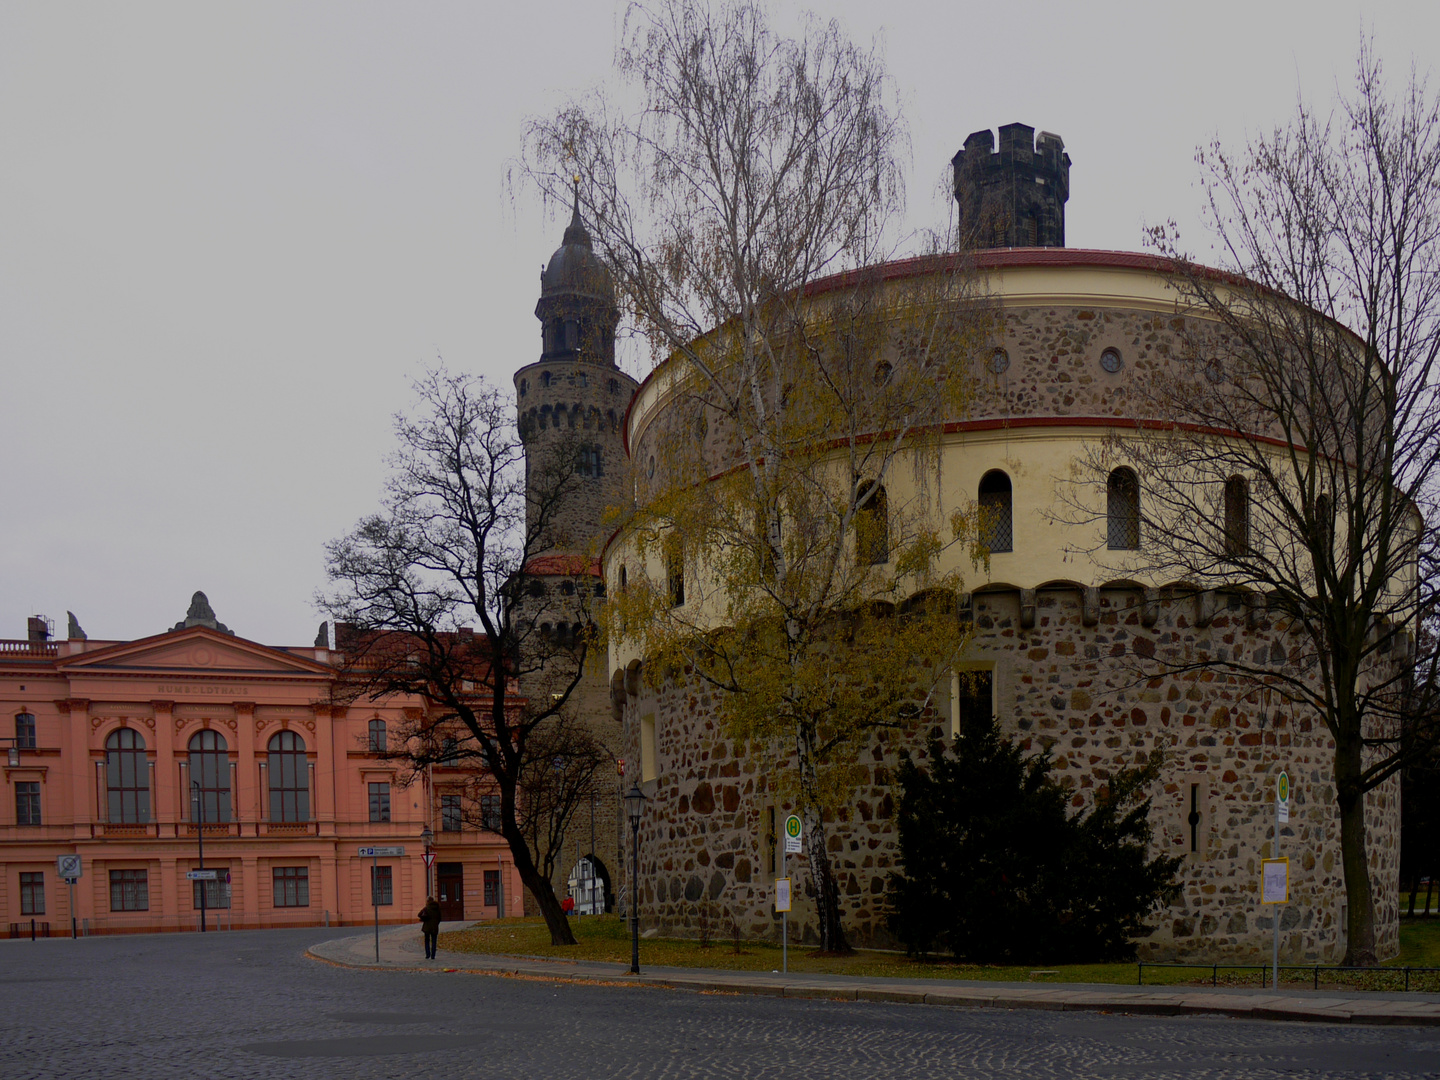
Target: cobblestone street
251, 1005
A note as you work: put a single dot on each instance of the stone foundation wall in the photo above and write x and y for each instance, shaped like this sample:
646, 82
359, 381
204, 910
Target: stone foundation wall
1076, 674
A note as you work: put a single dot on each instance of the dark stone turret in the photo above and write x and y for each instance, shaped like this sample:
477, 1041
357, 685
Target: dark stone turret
1014, 197
573, 399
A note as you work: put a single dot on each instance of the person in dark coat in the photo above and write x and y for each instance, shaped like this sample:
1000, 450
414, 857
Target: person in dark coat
430, 926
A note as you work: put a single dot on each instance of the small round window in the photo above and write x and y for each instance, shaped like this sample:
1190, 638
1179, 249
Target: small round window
1214, 372
650, 468
1110, 360
999, 361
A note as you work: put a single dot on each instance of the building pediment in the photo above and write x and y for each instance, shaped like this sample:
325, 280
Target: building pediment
196, 650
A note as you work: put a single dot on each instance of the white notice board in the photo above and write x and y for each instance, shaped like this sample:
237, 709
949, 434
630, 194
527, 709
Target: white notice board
782, 894
1275, 881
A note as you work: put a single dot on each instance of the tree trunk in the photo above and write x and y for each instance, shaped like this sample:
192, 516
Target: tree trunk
1360, 898
538, 885
827, 893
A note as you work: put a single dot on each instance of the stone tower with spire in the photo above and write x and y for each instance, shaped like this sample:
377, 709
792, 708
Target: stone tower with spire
572, 404
573, 399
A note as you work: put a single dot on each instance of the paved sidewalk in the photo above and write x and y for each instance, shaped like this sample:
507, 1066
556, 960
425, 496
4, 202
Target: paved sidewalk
401, 949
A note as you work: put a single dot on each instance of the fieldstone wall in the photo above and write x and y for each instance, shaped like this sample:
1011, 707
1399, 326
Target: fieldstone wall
1076, 675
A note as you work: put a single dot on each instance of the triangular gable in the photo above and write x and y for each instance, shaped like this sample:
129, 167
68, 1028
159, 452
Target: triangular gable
198, 649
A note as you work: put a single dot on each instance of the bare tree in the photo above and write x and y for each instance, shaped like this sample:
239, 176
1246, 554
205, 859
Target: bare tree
758, 165
1293, 448
448, 550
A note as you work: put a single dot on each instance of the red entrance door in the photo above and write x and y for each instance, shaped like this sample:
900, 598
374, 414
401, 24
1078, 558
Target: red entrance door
450, 883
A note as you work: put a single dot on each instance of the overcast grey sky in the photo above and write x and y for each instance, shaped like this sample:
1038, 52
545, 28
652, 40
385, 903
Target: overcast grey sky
230, 235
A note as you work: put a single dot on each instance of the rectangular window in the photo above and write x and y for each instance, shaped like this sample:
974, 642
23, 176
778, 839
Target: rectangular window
976, 697
449, 813
292, 886
381, 892
32, 894
129, 890
492, 888
24, 731
490, 812
27, 802
379, 802
217, 893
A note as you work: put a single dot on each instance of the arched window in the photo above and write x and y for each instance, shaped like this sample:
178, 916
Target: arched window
1325, 523
1237, 516
624, 577
997, 529
872, 524
545, 378
675, 572
24, 731
127, 778
289, 778
377, 743
524, 387
210, 768
1122, 510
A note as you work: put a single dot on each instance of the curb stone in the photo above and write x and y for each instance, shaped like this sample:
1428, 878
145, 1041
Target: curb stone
400, 953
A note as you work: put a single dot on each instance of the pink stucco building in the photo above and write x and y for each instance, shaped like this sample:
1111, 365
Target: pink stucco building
116, 751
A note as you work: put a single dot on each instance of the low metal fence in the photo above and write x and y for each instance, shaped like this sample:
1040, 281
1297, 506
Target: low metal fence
1265, 971
30, 929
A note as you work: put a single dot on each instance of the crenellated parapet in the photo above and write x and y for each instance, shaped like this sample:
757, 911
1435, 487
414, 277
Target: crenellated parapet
1014, 196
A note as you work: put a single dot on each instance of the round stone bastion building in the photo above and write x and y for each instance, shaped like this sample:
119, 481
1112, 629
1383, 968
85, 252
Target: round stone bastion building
1065, 653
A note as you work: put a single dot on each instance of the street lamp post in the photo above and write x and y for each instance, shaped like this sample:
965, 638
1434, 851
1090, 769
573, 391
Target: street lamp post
634, 807
200, 837
425, 837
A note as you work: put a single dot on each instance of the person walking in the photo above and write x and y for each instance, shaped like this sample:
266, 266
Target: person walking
430, 926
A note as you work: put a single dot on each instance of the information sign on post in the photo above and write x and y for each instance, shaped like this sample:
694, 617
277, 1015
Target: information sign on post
782, 894
1275, 881
69, 869
201, 875
792, 835
1282, 798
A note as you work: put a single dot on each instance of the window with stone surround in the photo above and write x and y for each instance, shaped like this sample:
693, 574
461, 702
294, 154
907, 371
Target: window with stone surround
382, 892
127, 778
872, 524
210, 769
291, 885
379, 802
492, 888
450, 813
376, 737
490, 812
289, 778
216, 893
129, 890
24, 731
997, 530
973, 697
1237, 516
32, 893
1122, 510
27, 802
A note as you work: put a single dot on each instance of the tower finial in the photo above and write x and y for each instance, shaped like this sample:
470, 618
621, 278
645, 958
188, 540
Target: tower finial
575, 232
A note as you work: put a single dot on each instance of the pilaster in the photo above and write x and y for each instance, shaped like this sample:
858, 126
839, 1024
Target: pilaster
167, 803
247, 793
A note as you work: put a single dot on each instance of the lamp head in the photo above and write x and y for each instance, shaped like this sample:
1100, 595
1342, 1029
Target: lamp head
634, 803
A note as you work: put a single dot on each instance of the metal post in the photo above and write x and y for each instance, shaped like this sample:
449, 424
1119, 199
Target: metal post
74, 930
375, 897
784, 923
200, 836
634, 896
1275, 957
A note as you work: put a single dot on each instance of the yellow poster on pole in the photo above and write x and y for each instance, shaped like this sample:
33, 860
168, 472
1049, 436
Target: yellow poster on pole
1275, 881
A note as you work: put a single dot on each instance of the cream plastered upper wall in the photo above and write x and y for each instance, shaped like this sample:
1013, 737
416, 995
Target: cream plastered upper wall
1132, 288
1050, 544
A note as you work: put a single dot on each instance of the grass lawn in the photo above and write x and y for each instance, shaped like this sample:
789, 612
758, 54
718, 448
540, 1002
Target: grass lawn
606, 938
